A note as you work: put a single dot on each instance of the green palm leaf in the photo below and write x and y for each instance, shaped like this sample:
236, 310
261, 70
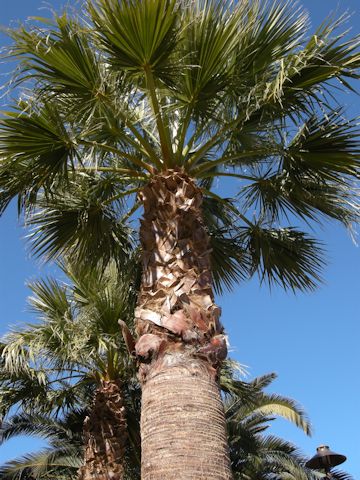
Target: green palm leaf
284, 256
81, 221
254, 453
137, 34
64, 58
61, 459
36, 148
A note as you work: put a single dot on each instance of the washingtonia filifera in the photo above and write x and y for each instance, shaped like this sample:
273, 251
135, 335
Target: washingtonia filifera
142, 104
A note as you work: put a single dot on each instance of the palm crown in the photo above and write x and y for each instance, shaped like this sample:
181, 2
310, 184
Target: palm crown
208, 88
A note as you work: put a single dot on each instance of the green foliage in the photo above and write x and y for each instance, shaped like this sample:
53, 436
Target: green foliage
82, 220
284, 256
60, 459
137, 35
216, 89
51, 369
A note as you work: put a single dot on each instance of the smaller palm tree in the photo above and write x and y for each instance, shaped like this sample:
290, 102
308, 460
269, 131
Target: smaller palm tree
258, 455
75, 358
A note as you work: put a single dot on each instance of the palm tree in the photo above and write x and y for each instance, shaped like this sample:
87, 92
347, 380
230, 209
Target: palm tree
74, 359
254, 453
144, 103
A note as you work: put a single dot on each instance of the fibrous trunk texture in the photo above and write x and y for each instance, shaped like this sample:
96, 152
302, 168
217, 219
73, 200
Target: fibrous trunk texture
105, 435
181, 342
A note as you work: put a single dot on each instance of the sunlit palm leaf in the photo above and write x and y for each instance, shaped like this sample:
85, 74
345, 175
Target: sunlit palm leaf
137, 34
35, 149
208, 48
49, 300
63, 59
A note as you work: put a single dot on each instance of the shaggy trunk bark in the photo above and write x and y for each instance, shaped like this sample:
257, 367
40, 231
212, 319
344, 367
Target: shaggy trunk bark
105, 435
181, 342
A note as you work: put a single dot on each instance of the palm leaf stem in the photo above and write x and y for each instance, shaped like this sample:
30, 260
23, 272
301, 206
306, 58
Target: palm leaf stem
226, 174
184, 129
218, 137
117, 152
224, 160
141, 139
131, 211
228, 205
130, 173
70, 377
121, 195
164, 133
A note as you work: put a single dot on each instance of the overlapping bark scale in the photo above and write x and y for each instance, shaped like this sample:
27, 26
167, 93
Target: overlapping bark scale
105, 435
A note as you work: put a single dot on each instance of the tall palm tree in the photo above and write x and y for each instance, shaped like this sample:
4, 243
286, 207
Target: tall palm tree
143, 103
74, 358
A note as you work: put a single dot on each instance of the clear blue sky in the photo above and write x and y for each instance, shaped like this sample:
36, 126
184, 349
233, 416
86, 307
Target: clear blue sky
310, 340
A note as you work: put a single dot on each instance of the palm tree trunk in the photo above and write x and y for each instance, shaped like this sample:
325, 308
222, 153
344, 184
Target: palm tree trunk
105, 435
181, 344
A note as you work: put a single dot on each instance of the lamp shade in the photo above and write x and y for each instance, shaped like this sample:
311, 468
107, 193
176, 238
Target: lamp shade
325, 458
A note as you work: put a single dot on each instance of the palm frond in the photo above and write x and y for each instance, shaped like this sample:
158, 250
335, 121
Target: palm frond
35, 149
79, 221
42, 426
284, 256
271, 404
63, 465
340, 475
136, 35
328, 145
277, 29
304, 195
209, 40
230, 262
61, 57
49, 300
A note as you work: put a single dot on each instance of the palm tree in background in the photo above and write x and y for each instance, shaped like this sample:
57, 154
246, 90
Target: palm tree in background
73, 363
257, 454
144, 104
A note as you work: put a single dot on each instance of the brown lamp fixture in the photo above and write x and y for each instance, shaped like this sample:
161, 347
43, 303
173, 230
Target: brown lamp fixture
325, 459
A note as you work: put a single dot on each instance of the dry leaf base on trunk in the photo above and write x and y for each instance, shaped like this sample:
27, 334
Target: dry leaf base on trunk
181, 342
105, 435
